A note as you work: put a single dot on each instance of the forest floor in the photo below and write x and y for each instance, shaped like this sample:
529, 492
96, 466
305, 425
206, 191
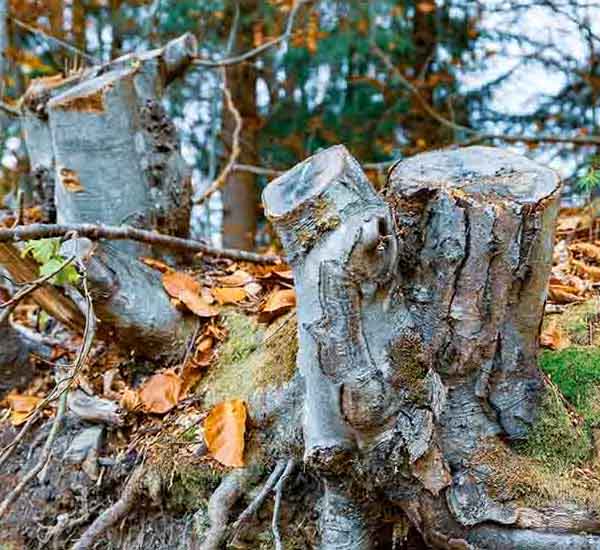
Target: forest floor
187, 424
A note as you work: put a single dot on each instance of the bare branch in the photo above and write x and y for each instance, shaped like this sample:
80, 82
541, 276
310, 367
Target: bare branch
9, 109
476, 136
235, 149
260, 49
96, 232
49, 37
114, 513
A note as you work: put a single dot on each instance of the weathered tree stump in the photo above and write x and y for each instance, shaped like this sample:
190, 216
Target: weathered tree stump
419, 312
104, 151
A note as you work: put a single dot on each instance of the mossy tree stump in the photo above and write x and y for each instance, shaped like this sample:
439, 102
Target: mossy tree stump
419, 311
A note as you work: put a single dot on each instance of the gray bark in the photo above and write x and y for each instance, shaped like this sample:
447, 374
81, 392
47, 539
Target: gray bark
419, 314
3, 41
104, 151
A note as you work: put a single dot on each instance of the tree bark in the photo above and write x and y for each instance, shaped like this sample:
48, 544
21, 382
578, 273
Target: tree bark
240, 195
104, 151
418, 324
3, 41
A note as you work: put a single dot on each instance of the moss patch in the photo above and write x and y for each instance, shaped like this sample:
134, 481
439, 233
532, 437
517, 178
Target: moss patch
576, 372
192, 486
251, 359
553, 439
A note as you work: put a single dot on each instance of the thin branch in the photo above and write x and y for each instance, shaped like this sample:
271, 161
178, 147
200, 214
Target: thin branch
65, 45
114, 513
261, 171
260, 49
475, 134
43, 460
34, 285
235, 149
95, 232
257, 502
289, 468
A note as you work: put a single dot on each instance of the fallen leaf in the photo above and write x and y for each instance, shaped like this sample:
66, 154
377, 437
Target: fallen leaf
156, 264
130, 400
563, 294
588, 250
161, 392
238, 278
278, 302
185, 288
21, 407
589, 271
224, 430
253, 289
553, 337
229, 295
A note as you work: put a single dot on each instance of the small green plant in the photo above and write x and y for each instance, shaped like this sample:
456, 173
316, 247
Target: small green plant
590, 181
46, 252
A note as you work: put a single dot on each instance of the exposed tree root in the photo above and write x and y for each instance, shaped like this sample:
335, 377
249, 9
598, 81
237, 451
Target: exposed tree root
255, 505
114, 513
219, 506
289, 468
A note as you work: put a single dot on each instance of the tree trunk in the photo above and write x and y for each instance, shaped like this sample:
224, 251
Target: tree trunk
240, 194
104, 151
3, 42
418, 324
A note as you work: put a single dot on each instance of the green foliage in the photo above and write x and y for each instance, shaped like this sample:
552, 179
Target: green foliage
590, 181
576, 372
46, 252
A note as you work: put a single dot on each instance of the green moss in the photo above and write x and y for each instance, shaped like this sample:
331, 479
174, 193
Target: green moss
576, 372
242, 339
553, 439
251, 359
192, 485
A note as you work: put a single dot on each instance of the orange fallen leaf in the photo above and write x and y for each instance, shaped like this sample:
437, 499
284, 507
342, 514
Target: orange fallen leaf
238, 278
185, 288
161, 392
156, 264
278, 302
130, 400
224, 431
563, 294
589, 271
21, 407
229, 295
554, 338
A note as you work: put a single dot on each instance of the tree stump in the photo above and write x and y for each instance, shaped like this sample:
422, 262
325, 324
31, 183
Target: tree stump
104, 151
419, 310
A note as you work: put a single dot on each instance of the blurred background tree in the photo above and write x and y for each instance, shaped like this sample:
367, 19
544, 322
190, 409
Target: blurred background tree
387, 79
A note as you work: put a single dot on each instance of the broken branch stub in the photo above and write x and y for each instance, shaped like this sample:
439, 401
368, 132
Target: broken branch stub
102, 141
418, 314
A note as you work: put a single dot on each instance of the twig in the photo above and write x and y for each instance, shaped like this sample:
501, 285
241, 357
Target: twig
235, 149
289, 468
260, 49
65, 45
32, 286
44, 457
475, 134
255, 505
19, 437
20, 208
114, 513
95, 232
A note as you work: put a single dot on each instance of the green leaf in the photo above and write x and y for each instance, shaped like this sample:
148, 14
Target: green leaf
42, 250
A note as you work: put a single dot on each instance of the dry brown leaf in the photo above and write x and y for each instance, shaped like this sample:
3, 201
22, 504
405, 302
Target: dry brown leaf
553, 337
568, 223
278, 302
156, 264
563, 294
161, 392
238, 278
185, 288
130, 400
21, 407
589, 271
224, 430
229, 295
588, 250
